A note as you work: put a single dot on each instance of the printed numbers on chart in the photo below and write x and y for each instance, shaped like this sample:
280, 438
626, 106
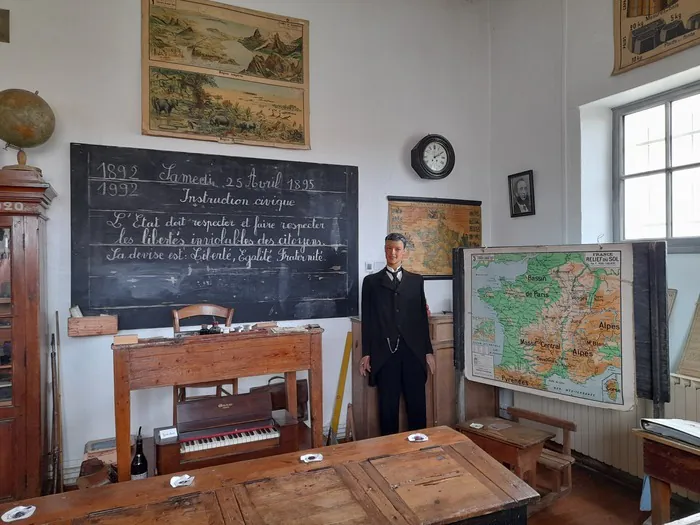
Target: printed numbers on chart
306, 184
117, 171
118, 189
12, 206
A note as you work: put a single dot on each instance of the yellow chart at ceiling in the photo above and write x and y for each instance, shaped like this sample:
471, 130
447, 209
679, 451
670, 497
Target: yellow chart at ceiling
649, 30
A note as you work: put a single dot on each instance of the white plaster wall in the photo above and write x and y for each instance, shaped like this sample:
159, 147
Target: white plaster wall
383, 74
526, 123
552, 88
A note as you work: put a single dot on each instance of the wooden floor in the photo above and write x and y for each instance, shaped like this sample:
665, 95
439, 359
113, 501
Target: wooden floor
594, 500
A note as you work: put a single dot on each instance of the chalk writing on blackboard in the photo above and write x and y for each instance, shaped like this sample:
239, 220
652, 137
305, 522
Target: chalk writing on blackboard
155, 230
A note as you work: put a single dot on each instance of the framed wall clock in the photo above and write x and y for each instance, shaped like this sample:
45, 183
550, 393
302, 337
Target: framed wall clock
433, 157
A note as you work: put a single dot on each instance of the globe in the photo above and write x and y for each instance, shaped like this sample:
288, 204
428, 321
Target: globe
26, 120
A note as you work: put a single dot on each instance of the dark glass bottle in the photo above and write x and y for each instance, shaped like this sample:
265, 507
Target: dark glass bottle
139, 465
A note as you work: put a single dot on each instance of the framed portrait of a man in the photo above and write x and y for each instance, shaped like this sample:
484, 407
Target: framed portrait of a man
521, 188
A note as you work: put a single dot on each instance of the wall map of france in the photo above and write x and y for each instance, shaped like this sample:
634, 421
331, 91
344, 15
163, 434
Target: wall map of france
553, 323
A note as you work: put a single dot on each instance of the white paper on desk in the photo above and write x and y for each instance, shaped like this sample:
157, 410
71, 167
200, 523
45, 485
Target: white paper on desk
680, 429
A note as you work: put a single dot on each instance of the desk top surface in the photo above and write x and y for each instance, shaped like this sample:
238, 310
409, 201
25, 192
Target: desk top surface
382, 480
507, 431
193, 337
673, 443
690, 520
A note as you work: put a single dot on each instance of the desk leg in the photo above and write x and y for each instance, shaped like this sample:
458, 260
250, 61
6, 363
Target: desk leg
290, 381
316, 391
526, 469
660, 501
122, 413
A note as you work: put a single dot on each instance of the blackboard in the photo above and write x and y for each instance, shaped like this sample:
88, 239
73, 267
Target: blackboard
156, 230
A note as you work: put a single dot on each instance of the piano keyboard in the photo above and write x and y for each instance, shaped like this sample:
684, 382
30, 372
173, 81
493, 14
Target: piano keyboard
225, 440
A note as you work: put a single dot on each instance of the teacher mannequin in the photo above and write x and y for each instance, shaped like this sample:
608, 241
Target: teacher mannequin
396, 347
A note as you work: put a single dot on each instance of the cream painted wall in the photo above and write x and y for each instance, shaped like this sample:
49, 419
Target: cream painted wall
383, 74
551, 92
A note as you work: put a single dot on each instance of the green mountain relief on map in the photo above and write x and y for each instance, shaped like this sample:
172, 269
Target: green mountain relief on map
610, 351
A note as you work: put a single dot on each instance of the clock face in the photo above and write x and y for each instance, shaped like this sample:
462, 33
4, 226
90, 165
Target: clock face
435, 157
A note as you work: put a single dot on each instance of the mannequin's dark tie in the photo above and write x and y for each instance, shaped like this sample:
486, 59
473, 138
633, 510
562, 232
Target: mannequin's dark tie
396, 280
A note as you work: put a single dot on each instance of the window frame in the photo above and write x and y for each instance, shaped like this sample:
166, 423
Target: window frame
674, 245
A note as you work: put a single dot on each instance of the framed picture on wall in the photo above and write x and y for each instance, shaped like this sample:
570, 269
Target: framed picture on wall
213, 71
521, 188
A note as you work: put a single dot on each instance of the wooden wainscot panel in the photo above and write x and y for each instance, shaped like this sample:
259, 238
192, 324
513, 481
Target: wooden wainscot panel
92, 325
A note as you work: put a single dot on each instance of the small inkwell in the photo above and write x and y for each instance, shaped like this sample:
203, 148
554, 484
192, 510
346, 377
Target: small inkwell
18, 513
213, 329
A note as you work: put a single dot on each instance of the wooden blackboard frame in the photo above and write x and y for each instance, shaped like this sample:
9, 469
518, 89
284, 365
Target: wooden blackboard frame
158, 315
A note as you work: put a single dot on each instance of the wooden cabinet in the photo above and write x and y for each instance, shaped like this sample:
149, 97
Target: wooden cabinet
24, 332
441, 403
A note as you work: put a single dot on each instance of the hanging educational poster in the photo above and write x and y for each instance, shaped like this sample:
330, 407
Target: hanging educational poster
552, 321
212, 71
649, 30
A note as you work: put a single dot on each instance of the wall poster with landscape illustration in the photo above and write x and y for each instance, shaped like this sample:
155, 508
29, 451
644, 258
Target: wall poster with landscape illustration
216, 72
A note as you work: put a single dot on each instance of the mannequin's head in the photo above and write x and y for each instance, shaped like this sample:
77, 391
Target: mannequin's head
394, 249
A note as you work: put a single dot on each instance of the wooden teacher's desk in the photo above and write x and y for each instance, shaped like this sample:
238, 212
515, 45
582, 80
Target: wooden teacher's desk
382, 480
667, 462
160, 362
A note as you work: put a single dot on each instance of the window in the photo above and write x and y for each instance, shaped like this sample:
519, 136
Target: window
656, 169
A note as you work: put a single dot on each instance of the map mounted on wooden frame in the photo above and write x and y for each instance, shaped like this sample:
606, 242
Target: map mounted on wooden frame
216, 72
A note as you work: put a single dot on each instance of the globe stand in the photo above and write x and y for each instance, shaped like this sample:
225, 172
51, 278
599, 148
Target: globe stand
21, 161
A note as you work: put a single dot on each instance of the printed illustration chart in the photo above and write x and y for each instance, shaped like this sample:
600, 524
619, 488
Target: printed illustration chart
649, 30
552, 321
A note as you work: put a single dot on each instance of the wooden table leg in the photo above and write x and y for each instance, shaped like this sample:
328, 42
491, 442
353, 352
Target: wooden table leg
316, 391
290, 380
660, 501
122, 414
527, 464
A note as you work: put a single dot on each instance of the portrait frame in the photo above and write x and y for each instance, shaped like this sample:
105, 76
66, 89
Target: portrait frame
513, 181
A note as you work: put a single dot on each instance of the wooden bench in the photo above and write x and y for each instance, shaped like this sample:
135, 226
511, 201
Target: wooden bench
553, 468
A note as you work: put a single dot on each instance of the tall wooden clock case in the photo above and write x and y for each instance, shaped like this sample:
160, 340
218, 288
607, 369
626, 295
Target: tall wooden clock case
24, 332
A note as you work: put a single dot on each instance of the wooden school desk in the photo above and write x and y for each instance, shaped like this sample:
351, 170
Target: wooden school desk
383, 480
667, 462
509, 442
173, 361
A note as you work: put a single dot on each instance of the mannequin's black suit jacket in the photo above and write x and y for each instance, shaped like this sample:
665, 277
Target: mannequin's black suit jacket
385, 310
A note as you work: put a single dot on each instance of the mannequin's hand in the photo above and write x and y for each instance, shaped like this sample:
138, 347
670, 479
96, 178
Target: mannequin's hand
430, 359
364, 366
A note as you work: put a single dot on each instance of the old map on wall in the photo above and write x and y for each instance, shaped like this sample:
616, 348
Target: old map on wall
556, 322
211, 71
649, 30
433, 227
